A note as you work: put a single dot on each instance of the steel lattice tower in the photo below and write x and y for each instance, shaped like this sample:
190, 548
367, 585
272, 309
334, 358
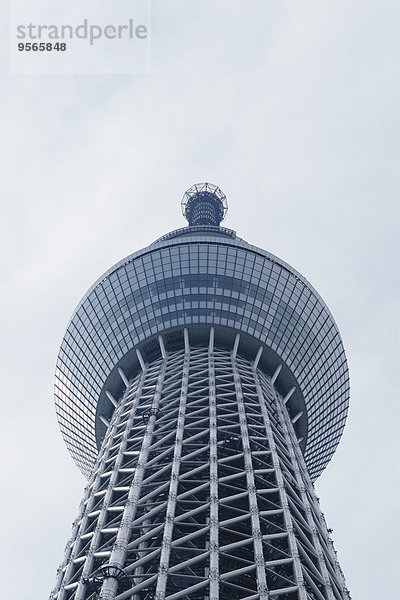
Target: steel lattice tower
201, 386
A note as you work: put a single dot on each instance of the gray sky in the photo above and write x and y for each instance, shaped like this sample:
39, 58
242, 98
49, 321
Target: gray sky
292, 109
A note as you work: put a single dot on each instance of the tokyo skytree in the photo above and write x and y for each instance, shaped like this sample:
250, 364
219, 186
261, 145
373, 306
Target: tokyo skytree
201, 387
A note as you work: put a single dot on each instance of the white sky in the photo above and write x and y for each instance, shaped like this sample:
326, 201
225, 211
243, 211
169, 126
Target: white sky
292, 108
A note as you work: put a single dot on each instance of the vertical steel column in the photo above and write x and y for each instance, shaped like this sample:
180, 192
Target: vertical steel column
173, 486
214, 523
90, 499
72, 543
251, 486
305, 483
282, 492
117, 558
295, 459
88, 569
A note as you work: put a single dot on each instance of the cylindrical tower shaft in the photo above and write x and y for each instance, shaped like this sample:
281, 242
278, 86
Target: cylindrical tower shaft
200, 491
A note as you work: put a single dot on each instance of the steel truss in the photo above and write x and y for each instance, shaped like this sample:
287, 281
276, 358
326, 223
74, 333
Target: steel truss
200, 491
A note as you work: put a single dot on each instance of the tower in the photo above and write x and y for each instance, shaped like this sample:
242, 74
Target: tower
201, 386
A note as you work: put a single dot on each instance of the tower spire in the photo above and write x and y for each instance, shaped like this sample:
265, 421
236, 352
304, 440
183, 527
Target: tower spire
204, 204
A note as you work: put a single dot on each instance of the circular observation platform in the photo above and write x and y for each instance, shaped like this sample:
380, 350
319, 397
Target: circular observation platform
198, 277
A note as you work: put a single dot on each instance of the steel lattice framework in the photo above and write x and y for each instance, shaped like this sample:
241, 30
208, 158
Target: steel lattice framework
200, 491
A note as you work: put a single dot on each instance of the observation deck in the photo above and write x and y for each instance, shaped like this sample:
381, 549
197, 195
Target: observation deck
199, 277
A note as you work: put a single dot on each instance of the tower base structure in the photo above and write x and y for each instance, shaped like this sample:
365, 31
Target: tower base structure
200, 490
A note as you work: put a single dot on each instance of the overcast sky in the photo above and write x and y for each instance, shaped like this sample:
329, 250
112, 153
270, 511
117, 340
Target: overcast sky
292, 108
